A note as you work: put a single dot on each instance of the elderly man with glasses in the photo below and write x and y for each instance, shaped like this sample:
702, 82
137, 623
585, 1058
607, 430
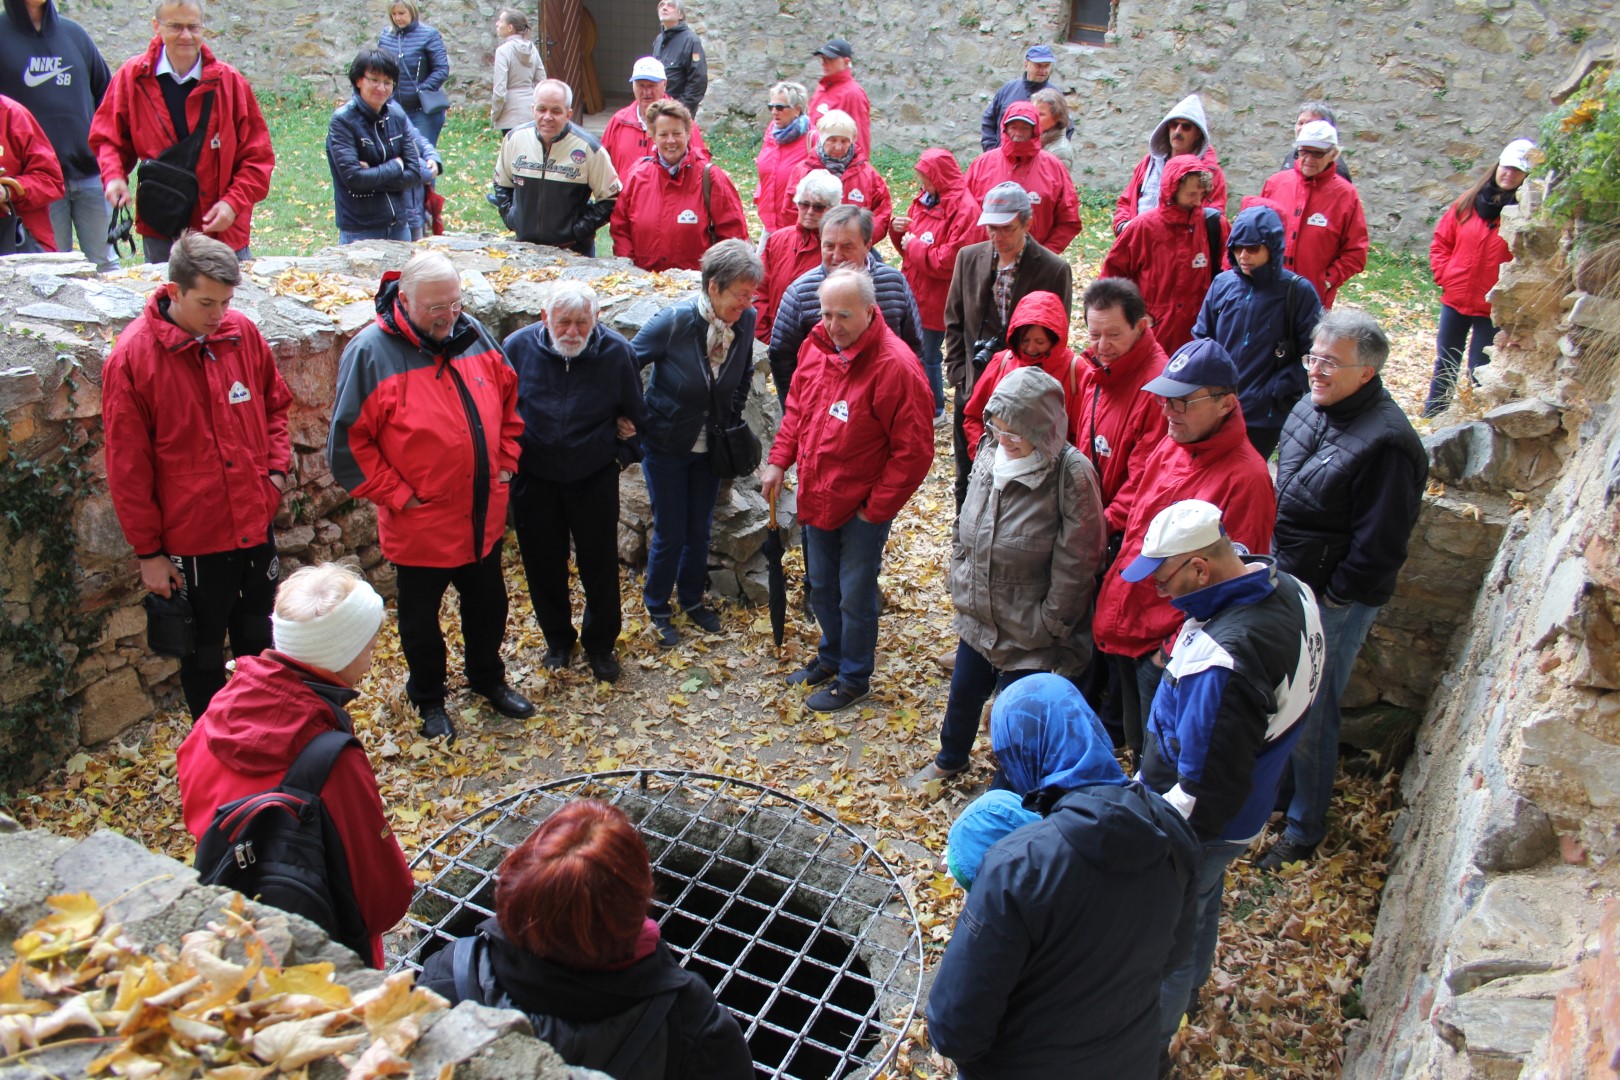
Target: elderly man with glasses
1324, 224
426, 426
1350, 480
1205, 456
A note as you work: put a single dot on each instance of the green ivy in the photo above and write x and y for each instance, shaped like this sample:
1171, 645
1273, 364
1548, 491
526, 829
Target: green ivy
38, 500
1581, 141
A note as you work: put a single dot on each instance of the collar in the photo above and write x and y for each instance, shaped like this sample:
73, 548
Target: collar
1250, 588
165, 68
1129, 369
837, 77
1357, 403
867, 343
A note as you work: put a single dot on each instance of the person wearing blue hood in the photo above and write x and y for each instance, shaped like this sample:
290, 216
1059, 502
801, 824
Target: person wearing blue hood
1074, 920
1262, 315
1244, 670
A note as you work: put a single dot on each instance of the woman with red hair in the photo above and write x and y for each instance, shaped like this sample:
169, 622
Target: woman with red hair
571, 946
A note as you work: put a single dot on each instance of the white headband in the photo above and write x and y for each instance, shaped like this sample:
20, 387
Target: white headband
331, 641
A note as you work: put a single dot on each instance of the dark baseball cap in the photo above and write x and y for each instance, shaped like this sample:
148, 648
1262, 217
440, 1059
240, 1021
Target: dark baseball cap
1039, 54
1199, 363
836, 49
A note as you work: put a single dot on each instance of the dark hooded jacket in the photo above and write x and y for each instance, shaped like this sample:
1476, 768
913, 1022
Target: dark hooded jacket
57, 74
1263, 319
940, 225
1073, 922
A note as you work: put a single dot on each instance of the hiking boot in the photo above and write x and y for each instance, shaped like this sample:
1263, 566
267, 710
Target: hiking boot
664, 632
436, 722
558, 659
812, 674
835, 697
704, 618
604, 666
1285, 851
507, 701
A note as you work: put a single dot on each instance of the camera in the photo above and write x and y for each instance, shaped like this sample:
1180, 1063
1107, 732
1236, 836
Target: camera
983, 350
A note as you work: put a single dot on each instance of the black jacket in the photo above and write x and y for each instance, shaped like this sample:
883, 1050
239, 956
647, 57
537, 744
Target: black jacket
1073, 922
586, 1015
374, 160
686, 68
678, 397
57, 73
1350, 481
570, 406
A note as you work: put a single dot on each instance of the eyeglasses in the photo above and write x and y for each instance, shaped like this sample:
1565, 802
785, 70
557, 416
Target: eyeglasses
774, 107
1180, 405
379, 83
1328, 364
812, 206
439, 311
1313, 153
1162, 580
1002, 433
193, 28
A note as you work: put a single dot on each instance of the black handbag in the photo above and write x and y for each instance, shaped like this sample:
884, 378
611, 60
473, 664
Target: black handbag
15, 239
166, 187
734, 450
171, 627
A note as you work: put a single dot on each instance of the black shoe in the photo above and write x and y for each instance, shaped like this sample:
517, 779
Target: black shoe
558, 659
704, 618
664, 631
436, 722
507, 701
812, 674
604, 666
1285, 851
835, 697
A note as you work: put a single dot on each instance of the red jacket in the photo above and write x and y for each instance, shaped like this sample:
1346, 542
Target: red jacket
1466, 258
1056, 218
788, 253
192, 439
29, 171
133, 122
1166, 252
860, 427
1120, 424
928, 247
247, 740
1125, 206
660, 222
841, 91
1325, 231
863, 186
439, 423
776, 165
626, 141
1224, 469
1035, 309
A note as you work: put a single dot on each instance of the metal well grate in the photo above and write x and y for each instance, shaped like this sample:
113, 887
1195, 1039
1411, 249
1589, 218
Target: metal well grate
796, 921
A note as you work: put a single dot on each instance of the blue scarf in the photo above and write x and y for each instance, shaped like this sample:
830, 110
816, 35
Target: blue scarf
793, 132
1047, 738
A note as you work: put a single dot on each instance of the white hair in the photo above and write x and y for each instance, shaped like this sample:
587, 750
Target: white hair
572, 297
822, 186
313, 591
848, 275
424, 267
567, 91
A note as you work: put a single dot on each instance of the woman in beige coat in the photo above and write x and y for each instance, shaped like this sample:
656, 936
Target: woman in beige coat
517, 70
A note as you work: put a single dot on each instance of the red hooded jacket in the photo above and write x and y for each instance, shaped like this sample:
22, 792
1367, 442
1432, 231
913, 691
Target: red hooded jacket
193, 433
1325, 230
247, 740
788, 253
626, 141
133, 122
1120, 423
1166, 253
775, 166
1042, 309
863, 186
1056, 218
1132, 619
1466, 258
936, 233
860, 425
841, 91
29, 171
434, 422
660, 222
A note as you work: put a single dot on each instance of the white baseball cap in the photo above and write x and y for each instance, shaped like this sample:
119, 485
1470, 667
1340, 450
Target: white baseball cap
648, 69
1189, 525
1517, 155
1318, 135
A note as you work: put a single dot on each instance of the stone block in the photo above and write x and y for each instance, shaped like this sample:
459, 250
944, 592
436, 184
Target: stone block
632, 544
97, 535
1519, 926
1517, 835
1596, 313
292, 541
1528, 419
19, 386
111, 705
125, 622
476, 1041
1553, 742
740, 518
1495, 1033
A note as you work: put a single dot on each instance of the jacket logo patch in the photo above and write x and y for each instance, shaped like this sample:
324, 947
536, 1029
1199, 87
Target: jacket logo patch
857, 195
577, 157
686, 217
1099, 443
840, 411
239, 393
927, 237
1034, 198
1317, 219
1200, 260
215, 144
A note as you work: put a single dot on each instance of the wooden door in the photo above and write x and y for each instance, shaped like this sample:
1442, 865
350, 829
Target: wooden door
562, 43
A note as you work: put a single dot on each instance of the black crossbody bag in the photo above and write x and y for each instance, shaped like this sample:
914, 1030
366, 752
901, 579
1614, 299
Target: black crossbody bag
166, 187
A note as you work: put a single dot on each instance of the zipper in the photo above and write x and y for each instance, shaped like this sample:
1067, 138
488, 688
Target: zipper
480, 450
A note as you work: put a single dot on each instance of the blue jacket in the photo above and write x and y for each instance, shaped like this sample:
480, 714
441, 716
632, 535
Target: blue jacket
416, 197
1054, 967
570, 406
1248, 315
1011, 92
1246, 666
376, 162
678, 395
423, 63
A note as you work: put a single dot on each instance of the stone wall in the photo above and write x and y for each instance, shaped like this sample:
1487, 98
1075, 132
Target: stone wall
1426, 89
1495, 952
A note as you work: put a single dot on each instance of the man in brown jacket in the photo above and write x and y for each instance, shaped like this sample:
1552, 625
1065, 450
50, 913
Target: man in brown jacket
989, 280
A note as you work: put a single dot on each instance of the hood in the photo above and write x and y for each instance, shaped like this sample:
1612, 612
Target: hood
1175, 171
1046, 738
1191, 108
274, 702
942, 171
1021, 110
542, 986
391, 317
993, 815
1204, 604
170, 336
1042, 309
1030, 402
17, 12
1125, 828
1259, 224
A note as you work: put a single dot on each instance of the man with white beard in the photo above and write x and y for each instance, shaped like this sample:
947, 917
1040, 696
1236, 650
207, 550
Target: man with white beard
579, 394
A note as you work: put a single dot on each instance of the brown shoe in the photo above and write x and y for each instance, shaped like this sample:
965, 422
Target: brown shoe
946, 661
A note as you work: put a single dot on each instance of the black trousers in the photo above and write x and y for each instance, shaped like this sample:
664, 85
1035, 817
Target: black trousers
547, 514
230, 592
482, 593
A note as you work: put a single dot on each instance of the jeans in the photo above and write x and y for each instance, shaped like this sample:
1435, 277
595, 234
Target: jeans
842, 565
1454, 333
429, 124
972, 681
1315, 759
155, 249
933, 358
397, 231
546, 513
1137, 679
1175, 994
85, 210
230, 591
481, 591
682, 491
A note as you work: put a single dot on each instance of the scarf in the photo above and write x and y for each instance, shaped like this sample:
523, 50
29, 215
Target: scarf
1052, 136
793, 132
1491, 198
720, 336
836, 166
1027, 470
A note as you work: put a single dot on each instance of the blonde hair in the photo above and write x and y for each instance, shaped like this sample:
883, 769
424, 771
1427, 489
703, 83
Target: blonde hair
311, 592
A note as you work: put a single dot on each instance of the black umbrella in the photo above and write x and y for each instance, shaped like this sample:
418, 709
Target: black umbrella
773, 566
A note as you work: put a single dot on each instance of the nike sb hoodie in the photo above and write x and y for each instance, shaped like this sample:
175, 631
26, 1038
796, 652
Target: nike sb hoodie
57, 74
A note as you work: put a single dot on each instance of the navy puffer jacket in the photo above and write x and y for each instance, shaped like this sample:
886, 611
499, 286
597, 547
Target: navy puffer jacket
423, 62
375, 161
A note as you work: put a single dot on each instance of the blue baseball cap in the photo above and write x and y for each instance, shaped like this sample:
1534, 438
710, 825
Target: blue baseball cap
1199, 363
1039, 54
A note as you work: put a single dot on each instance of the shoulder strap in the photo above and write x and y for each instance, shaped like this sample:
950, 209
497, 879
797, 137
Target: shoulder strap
315, 760
189, 149
635, 1044
708, 209
1073, 386
464, 954
1291, 342
1212, 226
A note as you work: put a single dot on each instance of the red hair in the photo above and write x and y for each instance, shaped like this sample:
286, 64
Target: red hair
577, 891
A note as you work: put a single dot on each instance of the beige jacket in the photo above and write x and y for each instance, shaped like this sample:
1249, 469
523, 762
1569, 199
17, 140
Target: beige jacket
517, 69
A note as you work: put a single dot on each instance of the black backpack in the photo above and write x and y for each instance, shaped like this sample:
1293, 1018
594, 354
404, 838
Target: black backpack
280, 847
